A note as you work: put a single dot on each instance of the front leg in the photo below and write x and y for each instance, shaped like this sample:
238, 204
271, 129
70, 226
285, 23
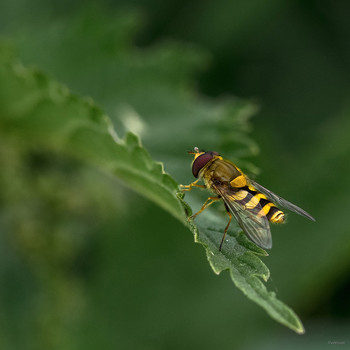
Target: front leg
189, 187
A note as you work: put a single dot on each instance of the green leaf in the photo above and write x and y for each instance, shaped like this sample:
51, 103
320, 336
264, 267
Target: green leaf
240, 256
40, 111
37, 108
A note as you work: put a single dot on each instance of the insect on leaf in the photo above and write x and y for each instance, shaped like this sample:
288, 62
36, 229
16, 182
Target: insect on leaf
36, 109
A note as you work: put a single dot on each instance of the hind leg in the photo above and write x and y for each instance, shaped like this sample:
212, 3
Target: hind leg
226, 228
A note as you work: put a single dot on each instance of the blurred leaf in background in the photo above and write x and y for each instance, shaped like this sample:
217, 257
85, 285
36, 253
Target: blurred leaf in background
134, 83
81, 286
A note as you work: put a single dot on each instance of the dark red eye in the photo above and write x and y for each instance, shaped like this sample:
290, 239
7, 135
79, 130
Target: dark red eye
201, 161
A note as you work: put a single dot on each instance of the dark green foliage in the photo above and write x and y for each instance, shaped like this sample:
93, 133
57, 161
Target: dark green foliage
48, 115
86, 262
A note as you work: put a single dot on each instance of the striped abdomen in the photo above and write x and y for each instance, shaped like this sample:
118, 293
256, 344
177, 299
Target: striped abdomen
224, 173
251, 198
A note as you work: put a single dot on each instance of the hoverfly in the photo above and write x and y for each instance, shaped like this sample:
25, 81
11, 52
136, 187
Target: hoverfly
252, 205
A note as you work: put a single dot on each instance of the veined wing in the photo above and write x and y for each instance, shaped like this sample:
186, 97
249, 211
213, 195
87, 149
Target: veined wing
247, 211
280, 201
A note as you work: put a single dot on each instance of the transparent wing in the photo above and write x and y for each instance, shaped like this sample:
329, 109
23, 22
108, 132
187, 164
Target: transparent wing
256, 227
280, 201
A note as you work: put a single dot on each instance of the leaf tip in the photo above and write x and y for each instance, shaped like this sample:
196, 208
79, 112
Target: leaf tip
300, 328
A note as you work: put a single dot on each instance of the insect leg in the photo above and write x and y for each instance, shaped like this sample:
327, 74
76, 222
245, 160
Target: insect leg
208, 202
189, 187
225, 231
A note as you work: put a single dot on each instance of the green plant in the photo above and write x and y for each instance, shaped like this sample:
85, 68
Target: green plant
39, 111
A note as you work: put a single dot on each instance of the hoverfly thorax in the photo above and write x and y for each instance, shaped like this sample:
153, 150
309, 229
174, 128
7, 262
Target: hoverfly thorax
201, 160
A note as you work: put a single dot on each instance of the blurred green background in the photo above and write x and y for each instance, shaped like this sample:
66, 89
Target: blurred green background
86, 263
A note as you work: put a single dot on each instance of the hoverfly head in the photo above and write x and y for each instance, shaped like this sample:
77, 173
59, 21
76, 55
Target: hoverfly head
201, 159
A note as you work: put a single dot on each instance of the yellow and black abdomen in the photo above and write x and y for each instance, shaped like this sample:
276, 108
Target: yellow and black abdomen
225, 174
272, 213
254, 199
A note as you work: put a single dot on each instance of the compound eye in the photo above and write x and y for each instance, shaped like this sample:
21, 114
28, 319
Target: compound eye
201, 161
